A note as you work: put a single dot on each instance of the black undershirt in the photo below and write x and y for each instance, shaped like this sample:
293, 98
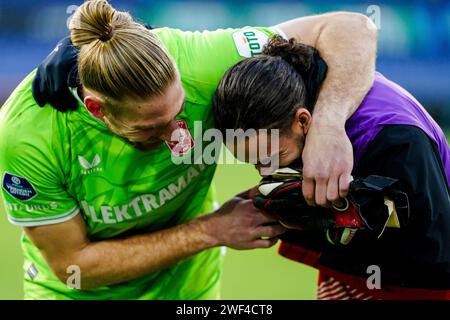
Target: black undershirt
417, 255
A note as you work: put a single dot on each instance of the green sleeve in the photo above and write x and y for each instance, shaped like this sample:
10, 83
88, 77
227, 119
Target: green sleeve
203, 57
33, 161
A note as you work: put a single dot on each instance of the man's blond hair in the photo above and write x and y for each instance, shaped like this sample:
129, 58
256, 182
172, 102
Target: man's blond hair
119, 57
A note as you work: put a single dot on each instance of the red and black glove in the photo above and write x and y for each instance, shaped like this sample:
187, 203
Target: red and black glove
366, 207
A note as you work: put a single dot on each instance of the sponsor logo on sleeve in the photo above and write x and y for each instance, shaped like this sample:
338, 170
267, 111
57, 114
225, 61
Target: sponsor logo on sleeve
30, 207
250, 42
18, 187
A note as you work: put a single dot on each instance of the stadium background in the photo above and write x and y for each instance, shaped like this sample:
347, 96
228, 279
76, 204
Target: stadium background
414, 50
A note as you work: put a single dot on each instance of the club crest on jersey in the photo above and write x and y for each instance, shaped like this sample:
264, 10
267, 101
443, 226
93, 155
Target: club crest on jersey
250, 42
18, 187
184, 141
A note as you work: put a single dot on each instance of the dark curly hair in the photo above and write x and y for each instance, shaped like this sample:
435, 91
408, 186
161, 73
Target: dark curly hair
265, 91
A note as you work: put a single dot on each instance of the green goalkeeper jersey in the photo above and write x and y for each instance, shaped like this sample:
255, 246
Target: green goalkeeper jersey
56, 165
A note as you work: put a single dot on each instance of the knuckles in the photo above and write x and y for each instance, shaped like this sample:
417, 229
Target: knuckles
322, 202
333, 197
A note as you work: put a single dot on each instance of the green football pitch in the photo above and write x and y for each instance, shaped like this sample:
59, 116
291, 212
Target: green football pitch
250, 274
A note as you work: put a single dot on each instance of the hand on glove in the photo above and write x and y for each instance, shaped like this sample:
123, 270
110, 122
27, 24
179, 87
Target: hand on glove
372, 204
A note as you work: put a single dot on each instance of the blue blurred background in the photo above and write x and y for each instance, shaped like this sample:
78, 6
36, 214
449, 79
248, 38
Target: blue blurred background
414, 36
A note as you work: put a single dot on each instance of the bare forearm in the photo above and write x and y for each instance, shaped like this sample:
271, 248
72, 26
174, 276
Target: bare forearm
118, 260
348, 44
237, 224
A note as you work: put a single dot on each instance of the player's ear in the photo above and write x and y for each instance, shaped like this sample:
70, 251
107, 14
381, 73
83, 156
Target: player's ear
94, 106
302, 121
